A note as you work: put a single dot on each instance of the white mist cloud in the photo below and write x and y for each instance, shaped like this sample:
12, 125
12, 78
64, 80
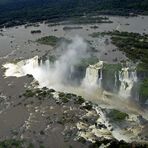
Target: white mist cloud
75, 51
50, 75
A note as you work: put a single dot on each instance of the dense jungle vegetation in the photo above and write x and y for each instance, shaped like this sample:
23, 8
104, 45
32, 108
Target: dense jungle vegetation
16, 12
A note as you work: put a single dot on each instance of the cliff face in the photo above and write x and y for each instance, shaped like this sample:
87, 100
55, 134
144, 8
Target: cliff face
127, 82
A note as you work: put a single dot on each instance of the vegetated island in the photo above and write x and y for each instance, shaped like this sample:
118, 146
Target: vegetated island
51, 40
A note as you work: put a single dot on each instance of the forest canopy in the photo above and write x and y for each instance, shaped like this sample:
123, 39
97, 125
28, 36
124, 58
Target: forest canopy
20, 11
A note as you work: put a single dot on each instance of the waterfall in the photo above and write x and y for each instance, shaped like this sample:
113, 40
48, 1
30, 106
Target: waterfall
56, 75
93, 75
115, 80
22, 68
47, 65
100, 78
127, 78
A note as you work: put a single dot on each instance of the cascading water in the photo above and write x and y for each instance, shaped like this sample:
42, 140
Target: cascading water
93, 76
128, 79
22, 68
100, 78
48, 75
116, 80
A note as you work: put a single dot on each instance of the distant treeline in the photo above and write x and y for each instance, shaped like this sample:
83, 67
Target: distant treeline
16, 12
